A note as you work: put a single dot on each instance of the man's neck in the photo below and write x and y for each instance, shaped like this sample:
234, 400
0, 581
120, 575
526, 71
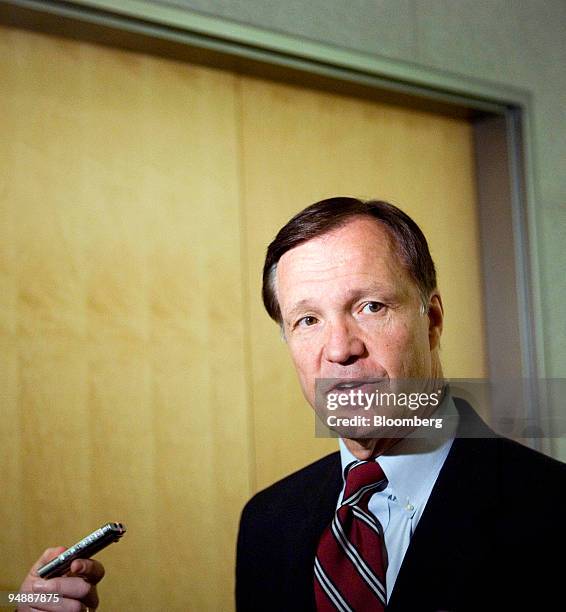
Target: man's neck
364, 449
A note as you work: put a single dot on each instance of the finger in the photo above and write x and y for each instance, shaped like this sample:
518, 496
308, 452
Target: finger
65, 587
69, 587
63, 605
91, 597
89, 569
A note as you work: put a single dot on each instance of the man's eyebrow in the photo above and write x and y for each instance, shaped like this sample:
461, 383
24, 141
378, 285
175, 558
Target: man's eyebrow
304, 304
307, 303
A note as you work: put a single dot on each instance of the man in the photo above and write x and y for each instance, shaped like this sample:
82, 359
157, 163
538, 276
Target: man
462, 521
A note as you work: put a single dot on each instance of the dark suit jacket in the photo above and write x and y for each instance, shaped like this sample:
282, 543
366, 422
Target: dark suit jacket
491, 537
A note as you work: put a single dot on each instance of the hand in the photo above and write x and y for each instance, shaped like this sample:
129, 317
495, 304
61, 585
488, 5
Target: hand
76, 589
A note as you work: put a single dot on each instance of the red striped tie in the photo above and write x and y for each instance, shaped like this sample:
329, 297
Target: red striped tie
349, 571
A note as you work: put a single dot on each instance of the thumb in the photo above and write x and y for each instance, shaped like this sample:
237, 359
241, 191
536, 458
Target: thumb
48, 555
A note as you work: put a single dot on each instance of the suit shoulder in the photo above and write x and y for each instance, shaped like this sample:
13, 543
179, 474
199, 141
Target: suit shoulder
522, 467
278, 534
514, 461
285, 490
525, 458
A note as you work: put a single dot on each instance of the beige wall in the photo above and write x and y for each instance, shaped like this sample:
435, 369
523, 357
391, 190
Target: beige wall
141, 380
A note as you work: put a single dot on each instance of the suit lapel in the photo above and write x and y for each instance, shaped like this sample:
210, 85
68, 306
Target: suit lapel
320, 505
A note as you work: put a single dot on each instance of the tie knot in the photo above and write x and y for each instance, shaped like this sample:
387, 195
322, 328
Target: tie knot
363, 478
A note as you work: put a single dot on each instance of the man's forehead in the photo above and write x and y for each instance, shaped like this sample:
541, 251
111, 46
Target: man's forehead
352, 261
362, 239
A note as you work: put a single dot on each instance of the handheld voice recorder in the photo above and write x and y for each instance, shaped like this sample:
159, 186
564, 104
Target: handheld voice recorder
83, 549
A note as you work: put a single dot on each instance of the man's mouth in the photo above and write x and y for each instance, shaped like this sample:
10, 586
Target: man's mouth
349, 384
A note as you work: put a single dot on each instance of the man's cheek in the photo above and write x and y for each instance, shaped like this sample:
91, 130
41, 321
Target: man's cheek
308, 387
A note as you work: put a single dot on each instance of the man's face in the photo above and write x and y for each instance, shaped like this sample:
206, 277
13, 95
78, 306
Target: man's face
350, 310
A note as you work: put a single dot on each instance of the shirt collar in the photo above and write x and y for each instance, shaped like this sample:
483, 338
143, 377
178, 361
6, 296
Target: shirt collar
414, 462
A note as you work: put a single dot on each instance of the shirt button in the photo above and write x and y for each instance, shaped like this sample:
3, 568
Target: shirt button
410, 507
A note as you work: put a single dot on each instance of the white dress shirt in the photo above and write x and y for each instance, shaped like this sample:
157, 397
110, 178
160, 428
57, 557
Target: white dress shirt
411, 466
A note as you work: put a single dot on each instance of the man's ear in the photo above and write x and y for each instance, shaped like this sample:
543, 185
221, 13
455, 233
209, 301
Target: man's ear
435, 320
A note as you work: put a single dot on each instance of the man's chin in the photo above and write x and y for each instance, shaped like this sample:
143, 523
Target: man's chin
362, 432
362, 425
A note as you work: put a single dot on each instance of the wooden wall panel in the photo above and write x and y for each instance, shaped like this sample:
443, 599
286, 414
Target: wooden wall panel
122, 318
301, 146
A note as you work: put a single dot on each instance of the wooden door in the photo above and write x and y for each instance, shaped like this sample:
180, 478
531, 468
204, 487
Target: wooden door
141, 380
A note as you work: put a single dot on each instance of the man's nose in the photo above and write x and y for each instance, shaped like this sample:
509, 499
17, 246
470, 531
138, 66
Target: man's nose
343, 343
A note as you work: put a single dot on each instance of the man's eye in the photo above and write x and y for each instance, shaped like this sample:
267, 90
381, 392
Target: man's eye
307, 321
372, 307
